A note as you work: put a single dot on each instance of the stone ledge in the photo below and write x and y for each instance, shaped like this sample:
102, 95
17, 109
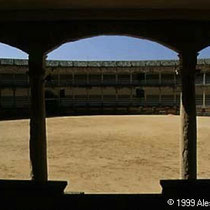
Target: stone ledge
27, 187
186, 187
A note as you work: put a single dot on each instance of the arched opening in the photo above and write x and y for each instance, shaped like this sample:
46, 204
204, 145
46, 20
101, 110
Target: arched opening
147, 88
14, 160
112, 48
121, 153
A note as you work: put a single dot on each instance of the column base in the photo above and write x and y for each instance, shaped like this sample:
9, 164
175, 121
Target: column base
28, 187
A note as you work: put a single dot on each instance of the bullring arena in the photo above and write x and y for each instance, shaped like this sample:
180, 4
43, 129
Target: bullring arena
126, 154
103, 153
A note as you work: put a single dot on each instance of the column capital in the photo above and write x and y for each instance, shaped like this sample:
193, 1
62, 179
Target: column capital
188, 56
188, 61
188, 52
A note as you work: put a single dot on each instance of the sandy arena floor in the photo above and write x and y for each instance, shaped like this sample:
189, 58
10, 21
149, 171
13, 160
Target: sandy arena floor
105, 153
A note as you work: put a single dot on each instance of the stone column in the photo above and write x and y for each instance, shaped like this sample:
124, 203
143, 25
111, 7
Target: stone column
38, 146
188, 60
204, 78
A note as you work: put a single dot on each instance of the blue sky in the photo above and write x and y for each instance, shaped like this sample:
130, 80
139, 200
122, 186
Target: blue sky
105, 48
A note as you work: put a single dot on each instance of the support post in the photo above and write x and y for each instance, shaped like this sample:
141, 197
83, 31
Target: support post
188, 61
204, 78
38, 146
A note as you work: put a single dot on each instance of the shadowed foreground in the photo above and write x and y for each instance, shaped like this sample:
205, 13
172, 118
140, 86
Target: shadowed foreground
127, 154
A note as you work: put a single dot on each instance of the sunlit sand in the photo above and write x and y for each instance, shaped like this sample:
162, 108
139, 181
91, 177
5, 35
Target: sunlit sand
127, 154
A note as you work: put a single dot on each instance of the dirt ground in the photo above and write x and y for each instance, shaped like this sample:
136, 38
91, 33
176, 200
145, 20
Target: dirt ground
127, 154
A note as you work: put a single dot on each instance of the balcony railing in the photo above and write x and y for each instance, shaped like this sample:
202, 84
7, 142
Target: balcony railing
83, 83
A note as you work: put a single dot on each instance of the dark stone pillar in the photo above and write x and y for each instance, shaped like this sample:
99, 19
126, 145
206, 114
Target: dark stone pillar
38, 147
188, 61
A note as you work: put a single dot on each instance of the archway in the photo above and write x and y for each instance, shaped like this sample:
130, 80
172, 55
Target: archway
112, 47
109, 96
